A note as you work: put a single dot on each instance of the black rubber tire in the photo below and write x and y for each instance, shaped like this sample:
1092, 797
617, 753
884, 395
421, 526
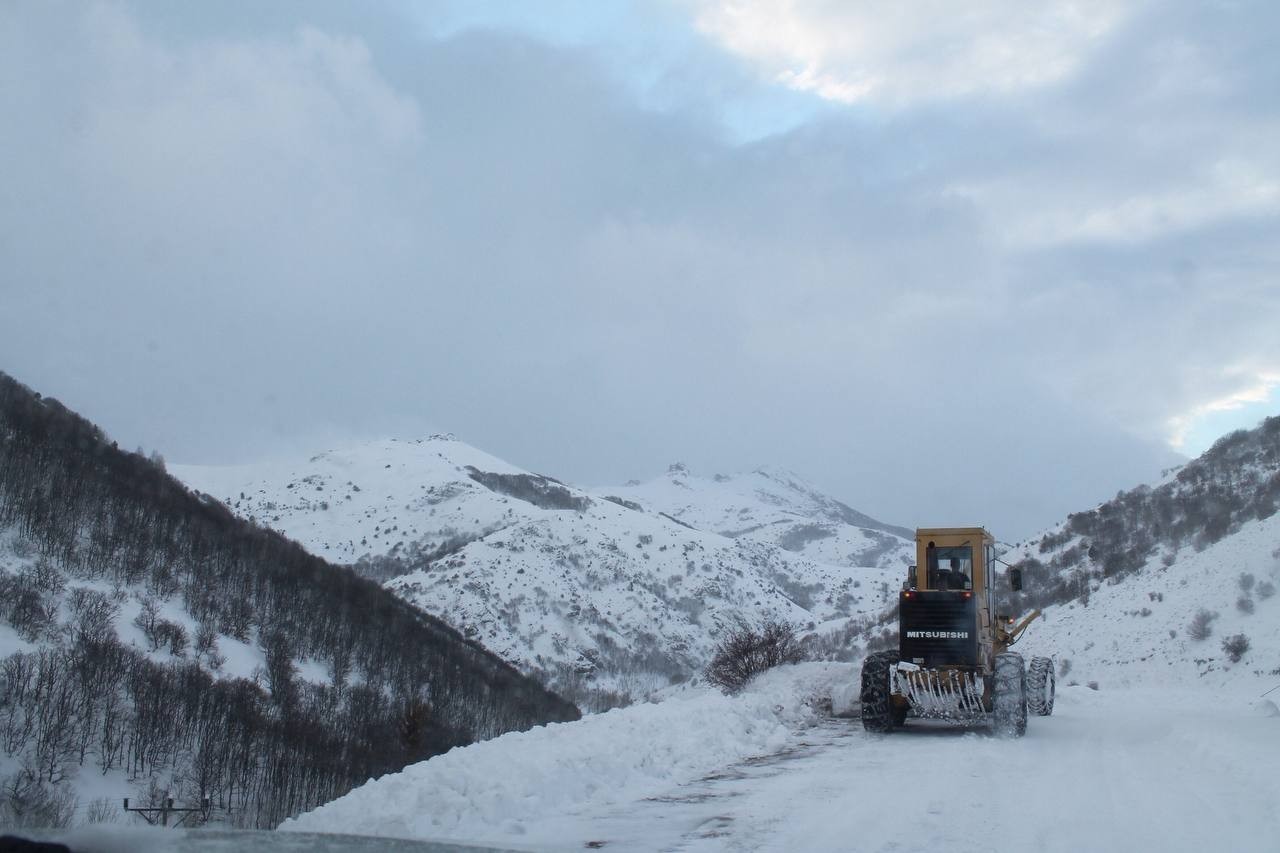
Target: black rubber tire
877, 709
1040, 687
1009, 702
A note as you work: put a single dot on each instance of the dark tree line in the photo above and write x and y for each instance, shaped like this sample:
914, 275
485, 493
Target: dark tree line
1236, 481
403, 685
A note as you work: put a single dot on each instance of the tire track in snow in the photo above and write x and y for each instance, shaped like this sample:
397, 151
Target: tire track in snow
1116, 771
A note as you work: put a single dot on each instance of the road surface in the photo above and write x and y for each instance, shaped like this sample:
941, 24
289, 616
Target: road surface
1128, 770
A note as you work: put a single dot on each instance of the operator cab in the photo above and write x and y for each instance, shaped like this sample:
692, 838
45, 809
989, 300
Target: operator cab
949, 567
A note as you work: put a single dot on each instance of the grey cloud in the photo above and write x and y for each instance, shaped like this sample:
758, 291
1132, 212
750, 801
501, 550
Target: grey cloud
225, 239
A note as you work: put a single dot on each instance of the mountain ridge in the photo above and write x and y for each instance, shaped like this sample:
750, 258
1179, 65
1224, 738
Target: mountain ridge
589, 589
770, 504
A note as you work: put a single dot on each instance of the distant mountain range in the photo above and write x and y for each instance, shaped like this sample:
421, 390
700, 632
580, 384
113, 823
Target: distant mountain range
606, 593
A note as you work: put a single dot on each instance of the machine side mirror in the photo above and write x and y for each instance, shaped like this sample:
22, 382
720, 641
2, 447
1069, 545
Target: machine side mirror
1015, 580
911, 578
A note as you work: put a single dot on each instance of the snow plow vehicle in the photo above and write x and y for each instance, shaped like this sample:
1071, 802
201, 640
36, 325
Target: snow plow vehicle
953, 660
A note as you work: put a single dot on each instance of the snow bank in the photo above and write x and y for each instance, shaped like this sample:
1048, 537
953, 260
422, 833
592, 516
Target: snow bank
497, 790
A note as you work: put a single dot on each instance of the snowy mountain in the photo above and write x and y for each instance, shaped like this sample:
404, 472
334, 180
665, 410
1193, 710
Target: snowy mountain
151, 642
387, 506
596, 592
1171, 583
774, 506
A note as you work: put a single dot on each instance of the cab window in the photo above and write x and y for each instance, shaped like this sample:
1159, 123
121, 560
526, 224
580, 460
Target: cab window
950, 567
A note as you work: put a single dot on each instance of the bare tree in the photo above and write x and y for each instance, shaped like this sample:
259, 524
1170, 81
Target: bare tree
746, 653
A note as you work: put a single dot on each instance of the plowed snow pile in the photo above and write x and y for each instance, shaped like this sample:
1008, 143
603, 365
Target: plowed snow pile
488, 792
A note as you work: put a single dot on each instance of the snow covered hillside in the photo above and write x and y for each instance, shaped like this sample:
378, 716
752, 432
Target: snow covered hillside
1145, 628
774, 506
1171, 583
768, 770
597, 592
150, 642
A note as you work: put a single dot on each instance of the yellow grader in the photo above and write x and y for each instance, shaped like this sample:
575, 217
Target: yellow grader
953, 660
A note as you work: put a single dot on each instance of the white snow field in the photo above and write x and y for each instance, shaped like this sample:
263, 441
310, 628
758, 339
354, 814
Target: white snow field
1131, 769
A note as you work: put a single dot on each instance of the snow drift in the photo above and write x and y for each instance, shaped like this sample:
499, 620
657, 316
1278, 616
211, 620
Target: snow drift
488, 792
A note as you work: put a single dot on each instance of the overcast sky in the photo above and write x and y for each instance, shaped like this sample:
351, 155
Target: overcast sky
979, 266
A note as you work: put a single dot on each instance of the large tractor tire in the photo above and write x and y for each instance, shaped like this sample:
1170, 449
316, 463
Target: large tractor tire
1009, 702
1040, 687
877, 708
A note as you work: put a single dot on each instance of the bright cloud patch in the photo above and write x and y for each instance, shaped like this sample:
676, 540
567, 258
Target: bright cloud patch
880, 50
1194, 431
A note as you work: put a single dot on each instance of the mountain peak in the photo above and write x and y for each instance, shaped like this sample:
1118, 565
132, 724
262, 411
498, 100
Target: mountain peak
781, 475
776, 506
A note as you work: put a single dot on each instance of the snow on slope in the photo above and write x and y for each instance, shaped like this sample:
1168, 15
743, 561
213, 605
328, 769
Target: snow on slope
226, 657
1134, 631
496, 791
598, 595
369, 500
774, 506
1192, 770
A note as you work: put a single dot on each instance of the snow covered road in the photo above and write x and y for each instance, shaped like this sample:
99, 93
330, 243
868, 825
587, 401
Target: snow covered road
1135, 769
1107, 772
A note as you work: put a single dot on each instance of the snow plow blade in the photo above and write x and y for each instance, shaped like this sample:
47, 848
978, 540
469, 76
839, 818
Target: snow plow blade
939, 694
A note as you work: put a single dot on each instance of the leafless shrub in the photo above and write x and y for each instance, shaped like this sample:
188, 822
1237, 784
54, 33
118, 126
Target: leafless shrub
1266, 589
1201, 625
27, 801
206, 641
1246, 582
147, 619
1235, 646
102, 810
23, 548
171, 635
1064, 666
29, 600
93, 613
746, 653
1244, 604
